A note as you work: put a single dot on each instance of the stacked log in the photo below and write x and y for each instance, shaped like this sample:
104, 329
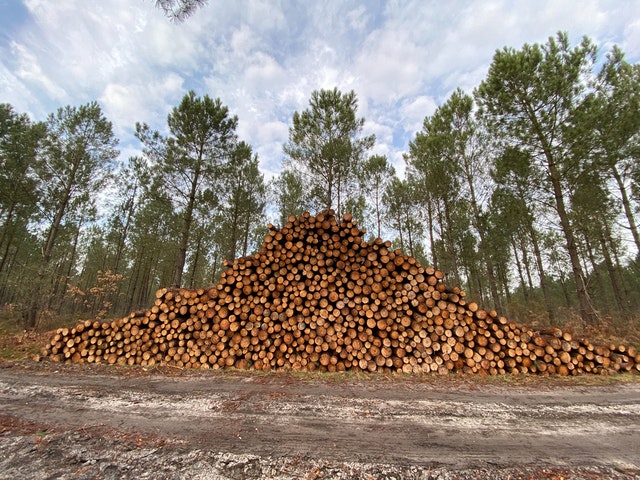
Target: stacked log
317, 296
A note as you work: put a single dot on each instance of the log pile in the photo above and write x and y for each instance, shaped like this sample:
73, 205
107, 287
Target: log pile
317, 296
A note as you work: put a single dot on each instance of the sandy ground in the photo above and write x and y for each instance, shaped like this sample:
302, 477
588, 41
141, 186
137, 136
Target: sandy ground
59, 421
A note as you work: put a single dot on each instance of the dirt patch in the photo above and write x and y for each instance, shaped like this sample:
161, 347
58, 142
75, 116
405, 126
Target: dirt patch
62, 421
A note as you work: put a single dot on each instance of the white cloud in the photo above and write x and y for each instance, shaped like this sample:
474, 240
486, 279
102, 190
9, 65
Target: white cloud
273, 132
382, 149
386, 68
128, 151
264, 73
15, 91
150, 102
358, 18
413, 112
631, 42
29, 70
267, 15
396, 159
383, 133
242, 41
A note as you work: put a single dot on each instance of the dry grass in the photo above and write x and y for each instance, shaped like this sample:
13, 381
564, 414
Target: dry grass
607, 330
16, 343
24, 345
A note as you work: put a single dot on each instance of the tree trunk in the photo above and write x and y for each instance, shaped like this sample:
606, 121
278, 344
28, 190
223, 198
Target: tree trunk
584, 304
186, 230
194, 267
7, 246
450, 245
5, 230
524, 286
527, 266
595, 274
586, 310
32, 311
409, 224
245, 235
627, 208
125, 232
432, 244
480, 228
330, 177
134, 281
544, 283
233, 233
613, 277
378, 214
626, 294
565, 291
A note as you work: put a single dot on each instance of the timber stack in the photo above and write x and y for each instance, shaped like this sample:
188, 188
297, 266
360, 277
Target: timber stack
317, 296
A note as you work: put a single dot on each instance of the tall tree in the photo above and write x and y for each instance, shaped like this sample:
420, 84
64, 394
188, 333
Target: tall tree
437, 176
530, 97
75, 165
152, 240
612, 118
326, 145
20, 140
201, 137
399, 200
123, 212
376, 175
289, 195
453, 133
590, 210
243, 201
518, 187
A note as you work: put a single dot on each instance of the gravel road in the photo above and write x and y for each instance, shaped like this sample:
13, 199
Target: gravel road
58, 421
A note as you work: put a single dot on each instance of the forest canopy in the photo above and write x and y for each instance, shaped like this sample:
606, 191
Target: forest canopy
525, 191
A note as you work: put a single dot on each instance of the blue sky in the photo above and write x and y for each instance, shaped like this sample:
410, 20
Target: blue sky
264, 58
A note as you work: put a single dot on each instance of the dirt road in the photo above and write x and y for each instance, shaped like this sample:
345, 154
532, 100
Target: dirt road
62, 422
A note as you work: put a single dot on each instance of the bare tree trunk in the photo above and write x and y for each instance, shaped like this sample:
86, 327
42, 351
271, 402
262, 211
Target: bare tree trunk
450, 245
544, 283
194, 267
378, 214
613, 277
584, 304
5, 255
525, 288
186, 230
31, 314
434, 255
527, 265
596, 274
125, 231
479, 224
627, 208
5, 230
